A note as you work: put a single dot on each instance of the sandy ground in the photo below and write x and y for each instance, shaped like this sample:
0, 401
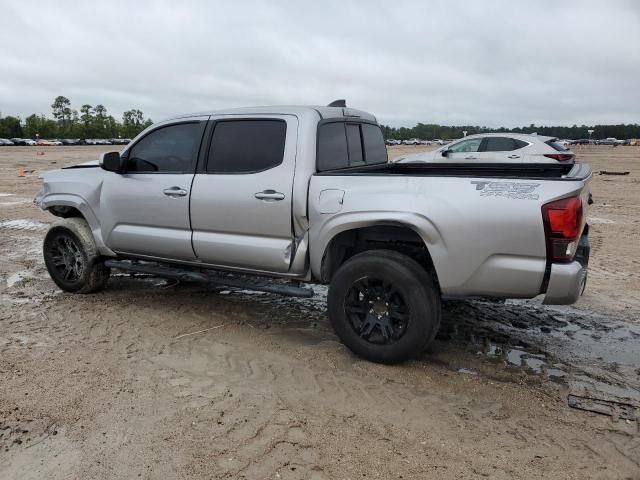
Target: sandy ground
109, 386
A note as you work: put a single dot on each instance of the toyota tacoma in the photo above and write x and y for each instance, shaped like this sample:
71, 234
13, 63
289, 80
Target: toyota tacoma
275, 198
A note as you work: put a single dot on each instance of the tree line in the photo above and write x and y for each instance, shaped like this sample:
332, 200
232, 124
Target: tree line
433, 131
95, 122
67, 122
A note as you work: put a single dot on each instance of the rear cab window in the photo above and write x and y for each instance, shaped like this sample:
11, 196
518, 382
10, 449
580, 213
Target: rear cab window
343, 144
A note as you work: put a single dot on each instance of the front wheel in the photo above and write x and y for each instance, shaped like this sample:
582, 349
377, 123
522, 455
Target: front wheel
72, 258
384, 306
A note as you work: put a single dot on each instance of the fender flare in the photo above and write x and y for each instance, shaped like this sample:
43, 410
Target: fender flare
80, 204
426, 230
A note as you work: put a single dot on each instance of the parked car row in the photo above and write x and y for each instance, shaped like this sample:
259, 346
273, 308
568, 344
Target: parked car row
612, 141
65, 141
411, 141
603, 141
566, 143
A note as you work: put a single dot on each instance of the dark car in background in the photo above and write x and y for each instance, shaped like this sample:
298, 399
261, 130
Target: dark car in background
70, 141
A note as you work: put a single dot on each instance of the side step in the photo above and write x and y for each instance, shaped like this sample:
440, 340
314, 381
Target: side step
215, 278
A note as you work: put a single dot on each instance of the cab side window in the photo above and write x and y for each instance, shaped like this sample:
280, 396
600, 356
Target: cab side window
170, 149
247, 146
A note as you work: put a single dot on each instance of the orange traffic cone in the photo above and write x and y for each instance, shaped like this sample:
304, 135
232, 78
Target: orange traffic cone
21, 172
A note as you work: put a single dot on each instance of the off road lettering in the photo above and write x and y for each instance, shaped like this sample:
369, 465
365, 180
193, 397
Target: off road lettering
521, 191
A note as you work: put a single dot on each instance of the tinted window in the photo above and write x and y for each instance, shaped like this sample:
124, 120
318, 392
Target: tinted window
373, 140
500, 144
470, 145
332, 146
520, 143
355, 145
243, 146
167, 149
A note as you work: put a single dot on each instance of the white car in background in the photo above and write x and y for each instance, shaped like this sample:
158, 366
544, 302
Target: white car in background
496, 148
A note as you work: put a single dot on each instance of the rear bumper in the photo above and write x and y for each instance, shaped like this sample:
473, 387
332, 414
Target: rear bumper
567, 281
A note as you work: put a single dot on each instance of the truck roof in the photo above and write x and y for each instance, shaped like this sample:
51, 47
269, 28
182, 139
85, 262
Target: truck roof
298, 110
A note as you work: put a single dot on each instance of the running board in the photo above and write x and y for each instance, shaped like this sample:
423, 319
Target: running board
217, 278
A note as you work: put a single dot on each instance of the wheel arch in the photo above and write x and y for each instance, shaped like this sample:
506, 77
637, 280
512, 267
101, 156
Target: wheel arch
388, 235
70, 205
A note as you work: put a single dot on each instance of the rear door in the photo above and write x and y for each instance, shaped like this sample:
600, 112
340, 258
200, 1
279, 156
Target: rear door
242, 194
501, 150
145, 210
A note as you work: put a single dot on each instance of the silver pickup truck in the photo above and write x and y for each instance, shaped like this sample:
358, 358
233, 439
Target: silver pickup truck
272, 198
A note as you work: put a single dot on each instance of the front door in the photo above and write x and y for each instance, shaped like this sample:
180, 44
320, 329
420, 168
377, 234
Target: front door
464, 151
242, 195
145, 210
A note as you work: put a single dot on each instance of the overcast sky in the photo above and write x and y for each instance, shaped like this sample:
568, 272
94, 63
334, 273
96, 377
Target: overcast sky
487, 63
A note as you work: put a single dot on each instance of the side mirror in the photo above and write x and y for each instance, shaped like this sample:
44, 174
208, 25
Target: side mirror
111, 162
445, 153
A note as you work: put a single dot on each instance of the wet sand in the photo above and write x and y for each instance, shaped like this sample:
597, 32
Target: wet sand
107, 385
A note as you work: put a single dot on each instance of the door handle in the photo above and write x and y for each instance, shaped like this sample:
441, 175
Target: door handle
513, 156
175, 192
470, 158
269, 195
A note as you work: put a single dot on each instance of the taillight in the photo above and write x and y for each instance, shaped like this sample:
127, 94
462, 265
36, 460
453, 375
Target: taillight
561, 157
562, 227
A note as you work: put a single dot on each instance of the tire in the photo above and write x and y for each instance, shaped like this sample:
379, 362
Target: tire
72, 258
384, 306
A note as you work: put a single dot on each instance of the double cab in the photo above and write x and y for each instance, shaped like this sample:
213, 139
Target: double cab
295, 195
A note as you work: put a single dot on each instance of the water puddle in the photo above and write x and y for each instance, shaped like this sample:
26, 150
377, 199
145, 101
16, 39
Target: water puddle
595, 356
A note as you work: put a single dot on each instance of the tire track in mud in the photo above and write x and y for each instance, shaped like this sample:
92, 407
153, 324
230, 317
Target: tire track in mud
269, 371
268, 377
273, 443
248, 372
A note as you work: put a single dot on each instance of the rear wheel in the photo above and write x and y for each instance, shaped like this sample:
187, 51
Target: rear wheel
72, 258
384, 306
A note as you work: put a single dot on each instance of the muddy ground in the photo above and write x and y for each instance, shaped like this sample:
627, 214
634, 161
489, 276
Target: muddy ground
153, 379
